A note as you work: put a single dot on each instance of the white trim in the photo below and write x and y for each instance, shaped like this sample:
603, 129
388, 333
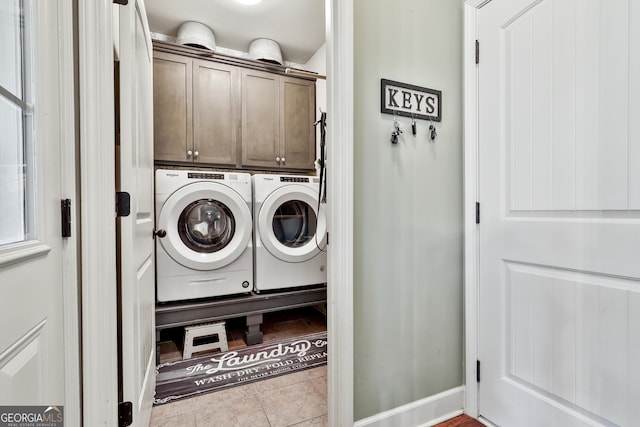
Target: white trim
16, 348
425, 412
471, 196
10, 97
142, 11
486, 422
340, 220
22, 251
97, 177
70, 297
476, 4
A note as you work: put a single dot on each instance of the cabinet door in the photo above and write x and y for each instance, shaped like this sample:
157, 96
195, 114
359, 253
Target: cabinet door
260, 119
216, 112
298, 136
172, 107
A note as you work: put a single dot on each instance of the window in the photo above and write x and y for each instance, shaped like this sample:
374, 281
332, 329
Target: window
294, 223
206, 226
17, 194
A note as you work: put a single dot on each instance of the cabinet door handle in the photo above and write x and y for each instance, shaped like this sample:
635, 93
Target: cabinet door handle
278, 159
284, 160
189, 153
196, 154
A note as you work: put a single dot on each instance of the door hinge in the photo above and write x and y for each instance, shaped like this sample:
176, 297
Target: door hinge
125, 414
477, 370
65, 214
477, 212
123, 203
477, 52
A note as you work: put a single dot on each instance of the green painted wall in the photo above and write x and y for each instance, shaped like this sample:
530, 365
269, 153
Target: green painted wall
408, 207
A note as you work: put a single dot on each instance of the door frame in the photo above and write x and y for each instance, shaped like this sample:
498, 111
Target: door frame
69, 179
471, 196
97, 212
340, 26
95, 65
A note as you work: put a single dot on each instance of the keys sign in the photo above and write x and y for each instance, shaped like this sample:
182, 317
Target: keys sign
408, 100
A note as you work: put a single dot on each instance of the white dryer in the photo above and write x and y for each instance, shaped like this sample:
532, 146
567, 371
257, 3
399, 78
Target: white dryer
290, 233
203, 228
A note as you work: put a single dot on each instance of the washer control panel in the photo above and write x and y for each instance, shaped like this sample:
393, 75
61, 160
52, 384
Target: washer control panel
194, 175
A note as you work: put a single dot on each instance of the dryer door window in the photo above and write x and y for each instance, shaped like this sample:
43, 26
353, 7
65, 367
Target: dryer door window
206, 226
294, 223
289, 226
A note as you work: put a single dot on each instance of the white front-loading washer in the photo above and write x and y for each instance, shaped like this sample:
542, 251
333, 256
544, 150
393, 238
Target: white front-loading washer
290, 232
204, 229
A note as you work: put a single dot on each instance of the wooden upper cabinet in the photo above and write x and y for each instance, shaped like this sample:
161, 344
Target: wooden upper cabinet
228, 114
216, 112
277, 121
260, 119
298, 102
172, 106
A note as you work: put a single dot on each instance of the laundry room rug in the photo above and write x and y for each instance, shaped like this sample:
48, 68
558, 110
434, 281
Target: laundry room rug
213, 372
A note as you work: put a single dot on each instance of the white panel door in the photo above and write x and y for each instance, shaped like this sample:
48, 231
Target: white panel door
559, 186
136, 245
32, 351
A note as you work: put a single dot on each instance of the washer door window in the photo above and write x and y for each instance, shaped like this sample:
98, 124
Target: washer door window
289, 225
208, 225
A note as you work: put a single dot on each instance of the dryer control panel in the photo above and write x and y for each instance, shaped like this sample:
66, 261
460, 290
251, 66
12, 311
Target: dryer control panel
294, 179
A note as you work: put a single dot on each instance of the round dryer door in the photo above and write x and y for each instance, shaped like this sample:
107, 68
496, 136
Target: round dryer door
290, 226
208, 225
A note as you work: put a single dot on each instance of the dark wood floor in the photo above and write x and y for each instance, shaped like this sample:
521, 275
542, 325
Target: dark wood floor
461, 421
278, 325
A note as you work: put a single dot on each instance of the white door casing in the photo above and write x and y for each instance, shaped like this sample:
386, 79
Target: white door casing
39, 358
559, 187
98, 228
340, 54
95, 35
136, 245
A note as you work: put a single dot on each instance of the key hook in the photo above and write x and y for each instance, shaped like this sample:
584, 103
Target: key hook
397, 131
432, 131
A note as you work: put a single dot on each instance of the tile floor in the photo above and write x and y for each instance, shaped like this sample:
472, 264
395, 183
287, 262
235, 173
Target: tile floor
298, 399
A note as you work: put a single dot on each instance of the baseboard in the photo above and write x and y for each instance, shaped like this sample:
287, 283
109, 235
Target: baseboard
421, 413
486, 422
